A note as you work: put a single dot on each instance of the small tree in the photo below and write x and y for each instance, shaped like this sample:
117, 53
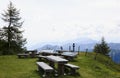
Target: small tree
105, 49
12, 33
102, 48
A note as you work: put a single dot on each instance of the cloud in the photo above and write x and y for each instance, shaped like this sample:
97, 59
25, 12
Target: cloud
50, 20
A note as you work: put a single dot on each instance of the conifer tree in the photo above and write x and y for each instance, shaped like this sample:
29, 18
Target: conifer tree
11, 32
102, 48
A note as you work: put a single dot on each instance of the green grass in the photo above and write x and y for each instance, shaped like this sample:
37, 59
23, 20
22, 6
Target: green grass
103, 67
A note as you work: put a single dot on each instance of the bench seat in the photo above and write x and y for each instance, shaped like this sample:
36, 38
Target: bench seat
72, 68
45, 67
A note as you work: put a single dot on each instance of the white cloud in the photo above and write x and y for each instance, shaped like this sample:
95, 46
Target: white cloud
52, 20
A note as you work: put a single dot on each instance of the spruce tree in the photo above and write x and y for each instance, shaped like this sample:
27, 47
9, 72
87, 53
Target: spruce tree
102, 48
11, 32
105, 49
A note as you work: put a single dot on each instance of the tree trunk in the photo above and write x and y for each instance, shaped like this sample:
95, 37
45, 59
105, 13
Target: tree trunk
95, 56
9, 32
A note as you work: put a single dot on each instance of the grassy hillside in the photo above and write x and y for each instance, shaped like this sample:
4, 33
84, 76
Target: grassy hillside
103, 67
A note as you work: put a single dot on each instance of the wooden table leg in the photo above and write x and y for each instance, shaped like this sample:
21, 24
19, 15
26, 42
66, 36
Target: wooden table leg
18, 56
52, 64
73, 71
60, 69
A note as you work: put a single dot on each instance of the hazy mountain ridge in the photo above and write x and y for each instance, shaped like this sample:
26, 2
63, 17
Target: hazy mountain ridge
83, 43
83, 47
114, 46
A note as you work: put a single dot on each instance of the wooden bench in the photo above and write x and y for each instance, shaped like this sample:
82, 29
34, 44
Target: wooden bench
46, 68
22, 55
72, 68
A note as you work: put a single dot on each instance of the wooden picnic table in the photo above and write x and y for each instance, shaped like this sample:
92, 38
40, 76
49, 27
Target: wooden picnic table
61, 51
49, 52
59, 61
69, 55
33, 53
22, 55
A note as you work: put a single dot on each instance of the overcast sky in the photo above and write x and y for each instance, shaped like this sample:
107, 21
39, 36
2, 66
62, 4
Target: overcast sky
60, 20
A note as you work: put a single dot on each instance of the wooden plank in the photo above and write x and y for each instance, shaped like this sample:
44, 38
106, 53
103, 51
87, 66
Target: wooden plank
70, 54
56, 59
72, 66
44, 66
40, 56
47, 69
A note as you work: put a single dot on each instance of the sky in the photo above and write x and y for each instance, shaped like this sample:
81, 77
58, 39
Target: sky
61, 20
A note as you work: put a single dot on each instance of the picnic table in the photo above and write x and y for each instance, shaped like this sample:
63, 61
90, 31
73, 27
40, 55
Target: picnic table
69, 55
32, 53
48, 52
61, 51
59, 61
22, 55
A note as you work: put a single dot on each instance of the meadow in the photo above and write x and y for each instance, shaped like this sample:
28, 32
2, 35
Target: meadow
103, 67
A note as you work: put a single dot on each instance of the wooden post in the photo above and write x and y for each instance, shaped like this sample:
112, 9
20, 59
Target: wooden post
78, 49
69, 48
86, 52
73, 47
52, 64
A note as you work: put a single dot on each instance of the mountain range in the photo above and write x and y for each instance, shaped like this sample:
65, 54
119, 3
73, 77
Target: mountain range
81, 42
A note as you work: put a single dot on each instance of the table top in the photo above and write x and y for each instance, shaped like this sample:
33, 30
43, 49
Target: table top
56, 59
71, 54
47, 51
